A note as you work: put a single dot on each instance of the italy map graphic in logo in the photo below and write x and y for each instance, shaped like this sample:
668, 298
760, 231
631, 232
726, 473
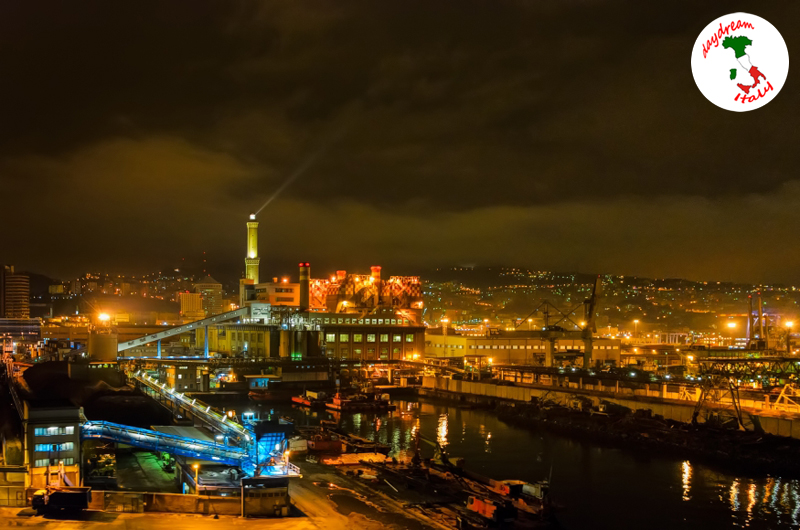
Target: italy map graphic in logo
740, 62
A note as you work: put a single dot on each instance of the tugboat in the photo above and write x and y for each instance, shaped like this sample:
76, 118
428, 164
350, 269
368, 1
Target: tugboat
360, 403
314, 400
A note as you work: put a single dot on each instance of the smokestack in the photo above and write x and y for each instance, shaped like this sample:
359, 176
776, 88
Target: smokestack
305, 272
376, 283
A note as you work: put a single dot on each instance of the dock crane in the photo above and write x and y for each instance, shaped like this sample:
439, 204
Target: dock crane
589, 309
587, 326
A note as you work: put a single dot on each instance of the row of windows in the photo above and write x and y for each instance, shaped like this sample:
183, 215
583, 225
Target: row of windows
517, 347
43, 462
245, 337
49, 448
359, 337
53, 431
344, 351
378, 321
345, 357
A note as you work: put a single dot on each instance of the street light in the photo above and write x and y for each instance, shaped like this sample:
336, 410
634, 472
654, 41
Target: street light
635, 326
196, 484
789, 325
731, 324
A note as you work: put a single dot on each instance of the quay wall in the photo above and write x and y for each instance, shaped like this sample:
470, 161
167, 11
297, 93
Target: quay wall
660, 402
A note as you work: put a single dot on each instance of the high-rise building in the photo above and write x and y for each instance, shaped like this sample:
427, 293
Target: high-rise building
211, 291
191, 306
15, 293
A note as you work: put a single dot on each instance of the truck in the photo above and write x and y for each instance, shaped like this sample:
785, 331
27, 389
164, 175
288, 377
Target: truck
66, 499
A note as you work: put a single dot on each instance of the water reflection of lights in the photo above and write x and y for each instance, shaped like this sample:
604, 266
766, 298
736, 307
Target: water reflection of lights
686, 477
734, 495
441, 430
751, 500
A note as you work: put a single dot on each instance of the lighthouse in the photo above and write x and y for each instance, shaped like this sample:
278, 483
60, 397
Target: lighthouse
252, 260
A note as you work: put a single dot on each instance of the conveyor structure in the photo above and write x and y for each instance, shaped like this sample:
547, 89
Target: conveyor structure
202, 411
264, 458
171, 332
168, 443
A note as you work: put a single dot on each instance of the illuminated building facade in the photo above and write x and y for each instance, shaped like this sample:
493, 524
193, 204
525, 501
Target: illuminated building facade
14, 293
191, 306
211, 293
344, 317
520, 347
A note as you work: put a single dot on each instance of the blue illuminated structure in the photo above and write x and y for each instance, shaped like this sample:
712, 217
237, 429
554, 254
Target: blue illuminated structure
260, 448
167, 443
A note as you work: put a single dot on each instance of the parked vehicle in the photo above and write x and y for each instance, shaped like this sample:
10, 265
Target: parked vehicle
65, 499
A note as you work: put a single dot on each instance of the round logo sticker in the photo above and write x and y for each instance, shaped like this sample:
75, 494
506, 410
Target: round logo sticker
740, 62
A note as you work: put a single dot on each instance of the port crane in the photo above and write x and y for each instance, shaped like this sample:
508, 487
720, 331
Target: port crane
588, 326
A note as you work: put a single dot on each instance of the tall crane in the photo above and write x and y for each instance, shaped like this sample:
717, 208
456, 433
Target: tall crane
589, 309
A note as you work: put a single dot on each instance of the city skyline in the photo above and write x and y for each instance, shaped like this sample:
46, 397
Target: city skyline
455, 144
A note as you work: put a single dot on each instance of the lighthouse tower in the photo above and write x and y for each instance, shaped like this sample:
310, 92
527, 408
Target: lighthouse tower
252, 260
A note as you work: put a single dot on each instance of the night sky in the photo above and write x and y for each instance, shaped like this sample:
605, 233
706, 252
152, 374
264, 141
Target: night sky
562, 135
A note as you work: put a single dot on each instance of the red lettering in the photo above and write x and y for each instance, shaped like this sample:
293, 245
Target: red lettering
759, 95
717, 35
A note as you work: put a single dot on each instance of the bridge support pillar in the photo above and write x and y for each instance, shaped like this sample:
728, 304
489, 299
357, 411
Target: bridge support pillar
158, 347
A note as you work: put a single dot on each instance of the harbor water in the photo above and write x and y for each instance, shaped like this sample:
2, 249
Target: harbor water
599, 487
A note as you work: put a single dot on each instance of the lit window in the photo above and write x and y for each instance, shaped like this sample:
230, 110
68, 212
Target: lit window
409, 337
370, 337
358, 337
384, 337
344, 337
330, 337
397, 338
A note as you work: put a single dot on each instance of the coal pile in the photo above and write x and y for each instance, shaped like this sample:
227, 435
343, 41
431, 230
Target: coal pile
104, 395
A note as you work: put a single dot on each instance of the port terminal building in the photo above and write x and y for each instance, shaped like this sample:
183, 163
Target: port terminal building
538, 348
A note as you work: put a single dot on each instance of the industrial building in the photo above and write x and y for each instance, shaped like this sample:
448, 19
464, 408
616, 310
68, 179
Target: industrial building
543, 348
344, 317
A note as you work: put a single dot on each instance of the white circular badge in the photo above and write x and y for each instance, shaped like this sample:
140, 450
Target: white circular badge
740, 62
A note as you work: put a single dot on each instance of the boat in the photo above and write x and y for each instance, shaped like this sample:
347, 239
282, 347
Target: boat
310, 399
360, 403
265, 395
325, 440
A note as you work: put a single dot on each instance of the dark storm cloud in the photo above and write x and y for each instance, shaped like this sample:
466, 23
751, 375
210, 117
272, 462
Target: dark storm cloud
565, 134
